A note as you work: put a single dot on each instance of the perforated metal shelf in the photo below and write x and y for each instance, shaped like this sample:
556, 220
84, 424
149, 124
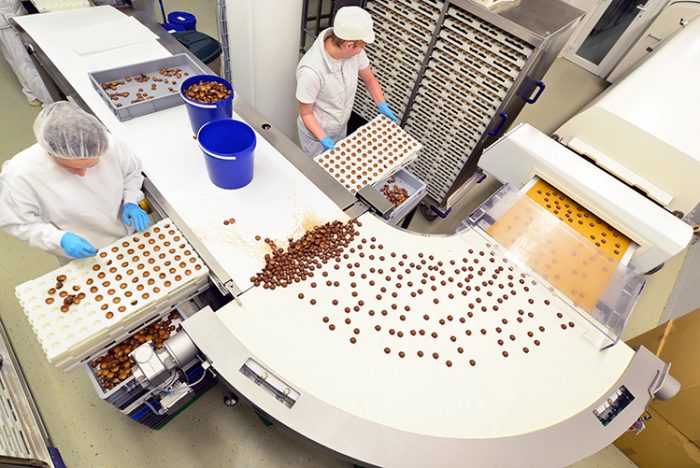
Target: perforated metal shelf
471, 70
22, 436
403, 31
448, 72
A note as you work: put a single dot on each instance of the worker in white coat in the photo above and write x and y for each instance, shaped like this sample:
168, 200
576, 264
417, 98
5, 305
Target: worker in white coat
74, 191
17, 57
327, 78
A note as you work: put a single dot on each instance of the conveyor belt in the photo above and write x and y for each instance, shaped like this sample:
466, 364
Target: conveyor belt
369, 363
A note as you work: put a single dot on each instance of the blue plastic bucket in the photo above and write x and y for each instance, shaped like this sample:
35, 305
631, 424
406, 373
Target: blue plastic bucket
228, 146
171, 28
200, 112
184, 19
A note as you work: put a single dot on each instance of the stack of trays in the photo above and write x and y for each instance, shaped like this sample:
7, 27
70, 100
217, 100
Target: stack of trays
375, 151
135, 279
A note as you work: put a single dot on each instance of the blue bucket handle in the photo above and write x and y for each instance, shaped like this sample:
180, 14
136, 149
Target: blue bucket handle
218, 156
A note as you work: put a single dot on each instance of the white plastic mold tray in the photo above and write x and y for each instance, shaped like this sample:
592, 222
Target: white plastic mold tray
375, 151
128, 280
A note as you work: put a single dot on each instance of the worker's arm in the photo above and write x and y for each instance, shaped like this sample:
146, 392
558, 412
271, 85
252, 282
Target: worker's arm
309, 84
375, 91
306, 111
372, 85
130, 165
21, 218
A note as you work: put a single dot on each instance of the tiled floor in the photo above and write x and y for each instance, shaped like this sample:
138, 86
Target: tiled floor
91, 433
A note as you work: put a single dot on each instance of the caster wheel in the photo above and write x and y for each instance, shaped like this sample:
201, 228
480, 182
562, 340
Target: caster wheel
427, 212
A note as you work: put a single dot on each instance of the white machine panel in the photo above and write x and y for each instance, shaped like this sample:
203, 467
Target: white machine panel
525, 153
647, 122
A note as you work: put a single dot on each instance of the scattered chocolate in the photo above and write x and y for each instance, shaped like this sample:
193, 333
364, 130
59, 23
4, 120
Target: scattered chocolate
303, 256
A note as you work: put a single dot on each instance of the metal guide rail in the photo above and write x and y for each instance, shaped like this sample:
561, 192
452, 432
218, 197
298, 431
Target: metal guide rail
23, 439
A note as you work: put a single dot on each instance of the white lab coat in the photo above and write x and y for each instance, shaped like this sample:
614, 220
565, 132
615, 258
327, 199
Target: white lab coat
16, 55
330, 85
40, 201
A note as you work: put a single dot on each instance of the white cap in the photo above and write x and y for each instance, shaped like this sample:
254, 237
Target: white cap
353, 24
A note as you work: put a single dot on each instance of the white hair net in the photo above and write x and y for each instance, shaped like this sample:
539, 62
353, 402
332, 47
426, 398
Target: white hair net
65, 130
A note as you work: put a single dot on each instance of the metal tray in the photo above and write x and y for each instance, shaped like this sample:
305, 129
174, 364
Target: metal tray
129, 390
163, 97
415, 187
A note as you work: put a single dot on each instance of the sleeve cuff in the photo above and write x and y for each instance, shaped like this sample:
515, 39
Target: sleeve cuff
132, 197
55, 239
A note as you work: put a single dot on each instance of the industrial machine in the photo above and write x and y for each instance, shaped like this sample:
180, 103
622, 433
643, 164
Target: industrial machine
675, 16
403, 349
458, 74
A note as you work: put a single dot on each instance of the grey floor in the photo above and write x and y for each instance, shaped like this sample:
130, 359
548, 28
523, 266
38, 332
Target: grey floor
91, 433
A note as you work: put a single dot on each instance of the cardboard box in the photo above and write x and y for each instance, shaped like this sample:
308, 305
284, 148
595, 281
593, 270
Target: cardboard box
678, 342
650, 340
683, 411
660, 445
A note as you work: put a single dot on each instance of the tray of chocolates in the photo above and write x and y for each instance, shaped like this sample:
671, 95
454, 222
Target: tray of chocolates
84, 305
375, 151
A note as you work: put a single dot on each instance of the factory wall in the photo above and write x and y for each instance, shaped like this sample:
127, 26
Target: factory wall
264, 45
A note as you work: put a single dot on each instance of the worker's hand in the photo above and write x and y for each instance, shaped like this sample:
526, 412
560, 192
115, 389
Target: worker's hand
384, 109
77, 247
327, 143
134, 216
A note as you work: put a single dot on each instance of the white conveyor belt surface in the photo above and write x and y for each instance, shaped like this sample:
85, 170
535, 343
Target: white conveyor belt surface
279, 203
497, 397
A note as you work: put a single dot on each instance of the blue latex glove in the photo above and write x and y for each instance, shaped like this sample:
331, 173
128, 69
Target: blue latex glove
384, 109
134, 216
327, 143
77, 247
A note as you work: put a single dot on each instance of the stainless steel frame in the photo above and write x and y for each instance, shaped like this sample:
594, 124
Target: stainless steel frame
24, 430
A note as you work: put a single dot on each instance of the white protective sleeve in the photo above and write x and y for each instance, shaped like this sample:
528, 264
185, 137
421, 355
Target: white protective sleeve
19, 217
130, 166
